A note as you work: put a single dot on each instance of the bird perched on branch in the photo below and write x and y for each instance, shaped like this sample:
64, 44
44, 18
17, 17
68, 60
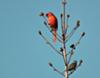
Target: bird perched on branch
72, 66
53, 23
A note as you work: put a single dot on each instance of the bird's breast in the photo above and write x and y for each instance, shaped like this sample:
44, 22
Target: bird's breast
52, 21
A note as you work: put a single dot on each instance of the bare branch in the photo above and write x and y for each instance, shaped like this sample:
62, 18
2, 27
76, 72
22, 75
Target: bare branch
46, 40
67, 25
61, 22
80, 63
71, 53
71, 73
73, 31
73, 46
55, 69
82, 35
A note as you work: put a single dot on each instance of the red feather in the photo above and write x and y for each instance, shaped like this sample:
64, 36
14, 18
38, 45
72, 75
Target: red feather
53, 23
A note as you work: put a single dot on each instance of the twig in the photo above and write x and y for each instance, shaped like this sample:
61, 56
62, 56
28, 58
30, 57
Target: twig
61, 22
71, 72
73, 46
82, 35
72, 32
71, 53
67, 25
49, 43
55, 69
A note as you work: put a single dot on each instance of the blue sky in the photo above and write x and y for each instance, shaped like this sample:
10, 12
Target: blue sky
24, 54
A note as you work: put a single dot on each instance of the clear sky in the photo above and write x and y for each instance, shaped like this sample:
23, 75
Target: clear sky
24, 54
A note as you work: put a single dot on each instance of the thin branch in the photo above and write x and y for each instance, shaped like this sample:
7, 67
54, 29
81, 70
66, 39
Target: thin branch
58, 72
73, 31
71, 53
80, 63
73, 46
55, 69
45, 39
64, 11
71, 72
82, 35
61, 22
71, 34
67, 25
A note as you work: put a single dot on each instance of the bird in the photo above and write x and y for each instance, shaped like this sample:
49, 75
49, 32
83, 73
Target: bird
53, 23
72, 66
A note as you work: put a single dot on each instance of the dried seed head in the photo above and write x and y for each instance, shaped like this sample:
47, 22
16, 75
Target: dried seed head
78, 23
72, 46
61, 15
45, 23
50, 64
83, 34
39, 32
81, 61
68, 16
41, 14
61, 49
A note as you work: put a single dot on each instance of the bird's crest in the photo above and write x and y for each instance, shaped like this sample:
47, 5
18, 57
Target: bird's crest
49, 14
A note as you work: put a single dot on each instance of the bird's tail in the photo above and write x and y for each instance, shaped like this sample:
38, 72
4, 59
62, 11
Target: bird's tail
54, 36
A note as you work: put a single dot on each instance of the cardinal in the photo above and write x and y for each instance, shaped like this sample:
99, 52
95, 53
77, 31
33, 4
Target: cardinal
53, 23
72, 66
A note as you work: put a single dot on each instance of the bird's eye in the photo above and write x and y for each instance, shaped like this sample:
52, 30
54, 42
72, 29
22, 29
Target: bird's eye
47, 15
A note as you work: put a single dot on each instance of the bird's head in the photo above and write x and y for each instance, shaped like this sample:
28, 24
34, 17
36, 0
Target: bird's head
49, 14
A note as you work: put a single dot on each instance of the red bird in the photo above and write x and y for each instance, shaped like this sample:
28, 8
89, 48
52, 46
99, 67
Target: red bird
53, 23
